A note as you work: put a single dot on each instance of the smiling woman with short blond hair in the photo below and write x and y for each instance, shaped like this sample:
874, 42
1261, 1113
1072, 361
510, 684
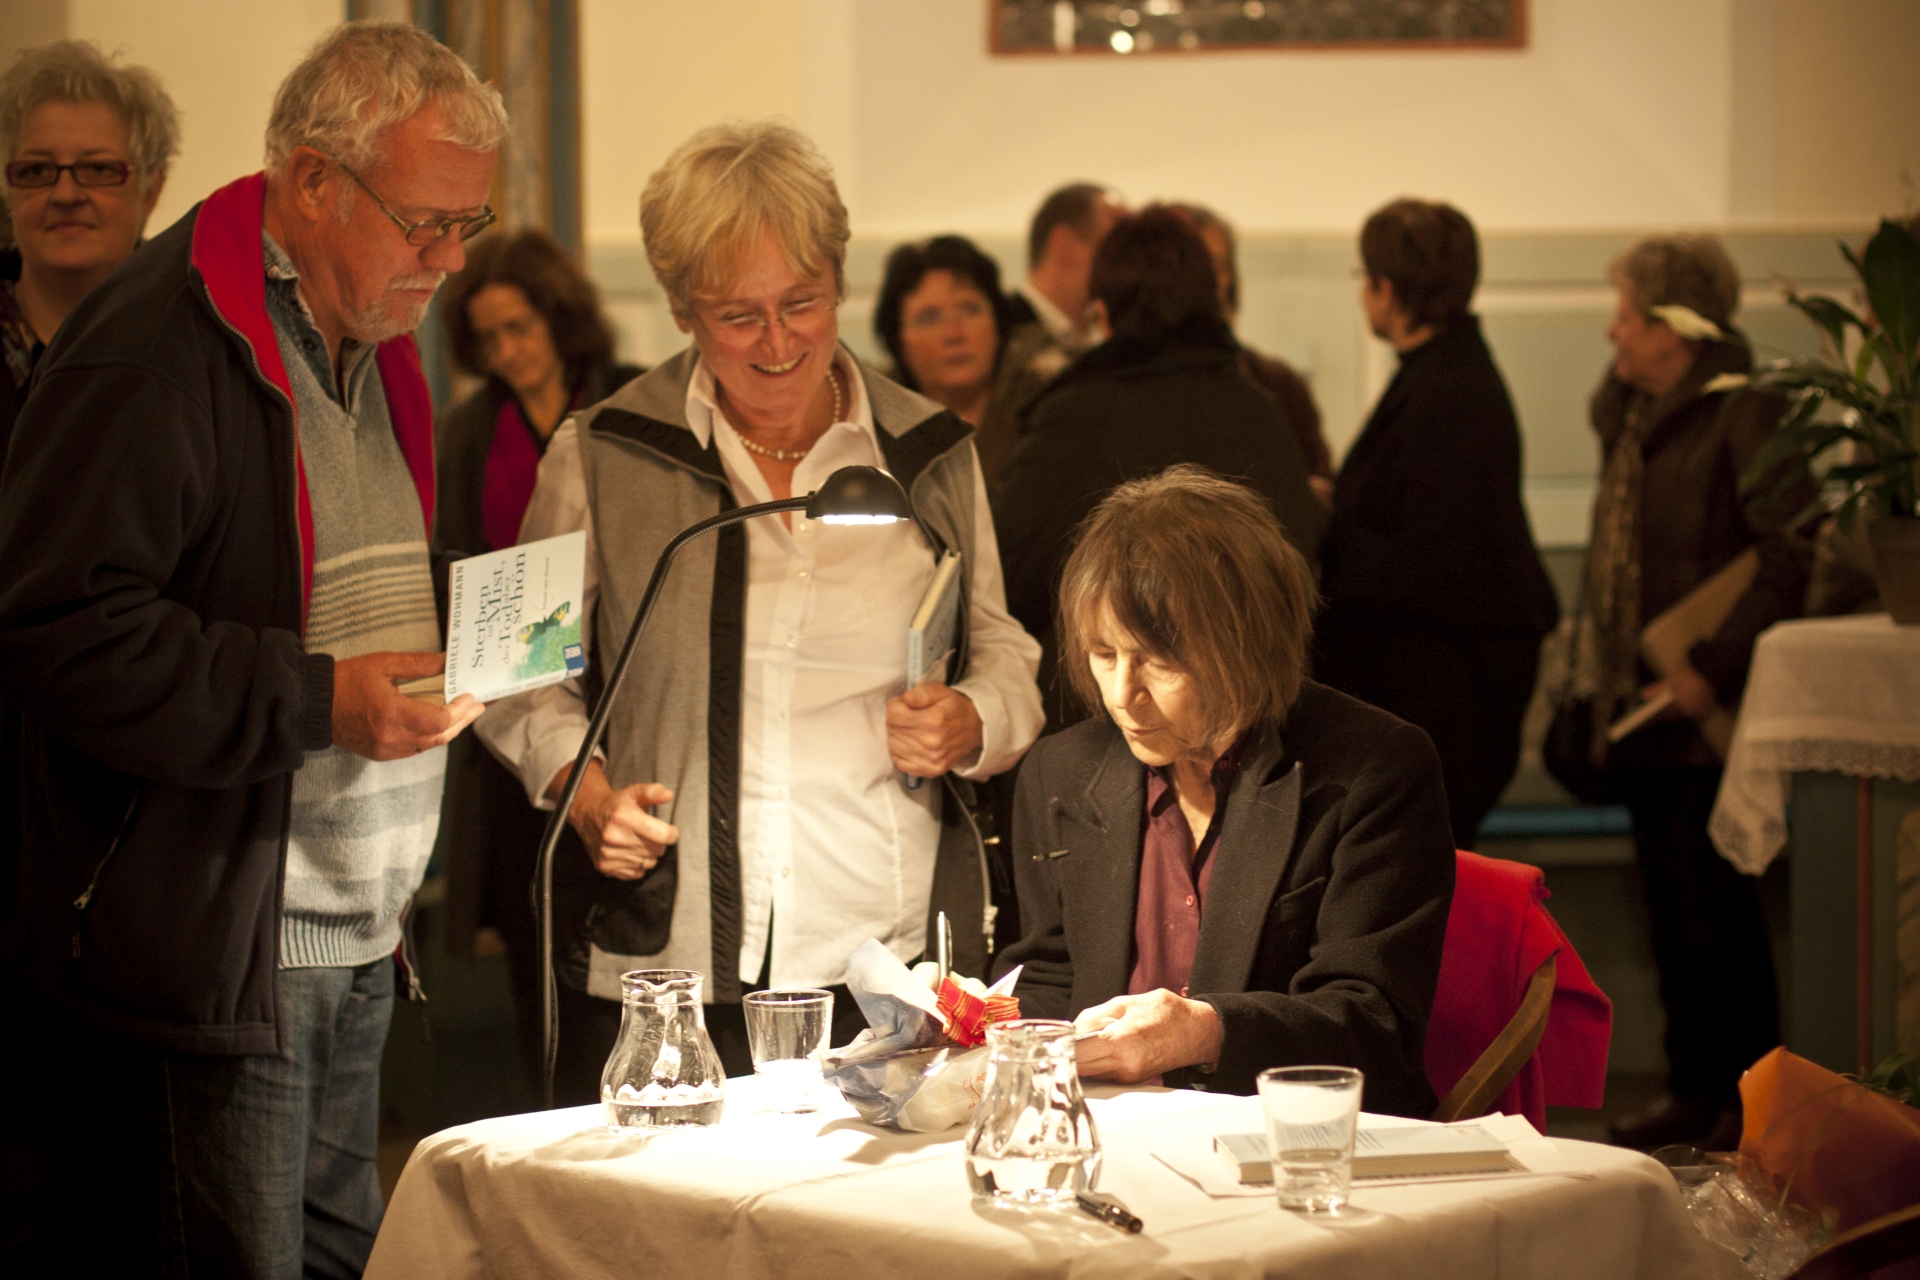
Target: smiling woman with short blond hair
750, 820
1234, 867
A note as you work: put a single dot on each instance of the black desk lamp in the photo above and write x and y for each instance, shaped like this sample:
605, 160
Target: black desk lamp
851, 495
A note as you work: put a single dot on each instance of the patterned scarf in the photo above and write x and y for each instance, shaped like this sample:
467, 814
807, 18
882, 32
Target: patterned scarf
17, 339
1607, 639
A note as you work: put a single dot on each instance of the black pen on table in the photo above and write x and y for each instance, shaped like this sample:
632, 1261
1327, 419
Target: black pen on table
1111, 1214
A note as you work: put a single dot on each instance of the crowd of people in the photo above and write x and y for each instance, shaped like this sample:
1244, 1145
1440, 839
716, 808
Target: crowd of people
1275, 695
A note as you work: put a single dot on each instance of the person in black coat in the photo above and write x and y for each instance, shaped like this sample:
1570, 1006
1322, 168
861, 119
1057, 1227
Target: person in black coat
1234, 868
1164, 387
524, 317
1436, 597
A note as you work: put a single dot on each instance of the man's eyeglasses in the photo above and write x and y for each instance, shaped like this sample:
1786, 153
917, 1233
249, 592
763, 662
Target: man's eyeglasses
86, 173
430, 230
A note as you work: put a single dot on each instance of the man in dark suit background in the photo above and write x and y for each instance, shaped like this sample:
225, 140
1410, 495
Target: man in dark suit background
1234, 868
1436, 597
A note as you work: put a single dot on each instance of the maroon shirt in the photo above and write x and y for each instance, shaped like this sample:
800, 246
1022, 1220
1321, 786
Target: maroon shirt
1174, 877
513, 464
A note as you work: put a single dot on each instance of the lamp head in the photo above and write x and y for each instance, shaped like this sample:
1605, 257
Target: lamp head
859, 495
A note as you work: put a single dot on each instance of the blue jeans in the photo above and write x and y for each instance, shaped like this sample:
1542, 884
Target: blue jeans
183, 1165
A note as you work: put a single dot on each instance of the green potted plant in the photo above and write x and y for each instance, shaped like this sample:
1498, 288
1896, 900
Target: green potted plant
1854, 424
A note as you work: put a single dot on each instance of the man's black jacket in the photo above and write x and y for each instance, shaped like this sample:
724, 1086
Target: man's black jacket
155, 561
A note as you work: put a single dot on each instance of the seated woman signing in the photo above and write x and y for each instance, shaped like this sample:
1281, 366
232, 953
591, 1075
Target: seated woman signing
1235, 868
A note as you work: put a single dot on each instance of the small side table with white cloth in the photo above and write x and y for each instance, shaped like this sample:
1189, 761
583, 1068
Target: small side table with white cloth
1831, 718
826, 1195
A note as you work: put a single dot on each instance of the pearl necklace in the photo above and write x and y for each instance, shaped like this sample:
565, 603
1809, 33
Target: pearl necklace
795, 455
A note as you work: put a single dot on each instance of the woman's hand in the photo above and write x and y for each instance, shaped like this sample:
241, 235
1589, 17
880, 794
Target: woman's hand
1141, 1037
622, 838
1693, 696
930, 729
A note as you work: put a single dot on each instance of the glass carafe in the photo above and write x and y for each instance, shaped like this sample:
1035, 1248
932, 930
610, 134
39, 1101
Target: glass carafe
664, 1069
1032, 1139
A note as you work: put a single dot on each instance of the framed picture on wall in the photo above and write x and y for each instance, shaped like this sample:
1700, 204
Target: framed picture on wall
1195, 26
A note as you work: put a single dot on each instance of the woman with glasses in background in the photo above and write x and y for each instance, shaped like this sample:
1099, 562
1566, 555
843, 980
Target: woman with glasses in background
524, 318
86, 145
751, 819
943, 319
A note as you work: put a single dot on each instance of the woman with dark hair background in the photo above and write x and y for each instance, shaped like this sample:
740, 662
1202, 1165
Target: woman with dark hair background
943, 319
1436, 597
1163, 387
522, 316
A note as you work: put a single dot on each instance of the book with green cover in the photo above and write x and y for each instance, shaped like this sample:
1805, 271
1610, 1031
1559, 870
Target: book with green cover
514, 618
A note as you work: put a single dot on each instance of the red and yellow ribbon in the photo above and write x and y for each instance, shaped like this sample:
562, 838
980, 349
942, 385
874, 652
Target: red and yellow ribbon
968, 1016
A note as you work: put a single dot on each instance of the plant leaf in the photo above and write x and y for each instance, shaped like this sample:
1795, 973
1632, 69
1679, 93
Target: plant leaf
1688, 323
1890, 269
1832, 318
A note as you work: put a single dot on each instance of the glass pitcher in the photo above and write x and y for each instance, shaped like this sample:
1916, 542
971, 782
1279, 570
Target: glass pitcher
1032, 1139
664, 1069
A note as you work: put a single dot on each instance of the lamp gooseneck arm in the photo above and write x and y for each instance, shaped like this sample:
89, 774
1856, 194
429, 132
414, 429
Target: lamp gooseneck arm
596, 729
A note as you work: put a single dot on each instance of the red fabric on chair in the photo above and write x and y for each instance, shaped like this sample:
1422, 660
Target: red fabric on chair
1498, 932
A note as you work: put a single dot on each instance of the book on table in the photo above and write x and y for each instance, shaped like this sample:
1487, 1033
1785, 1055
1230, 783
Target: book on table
513, 621
1398, 1152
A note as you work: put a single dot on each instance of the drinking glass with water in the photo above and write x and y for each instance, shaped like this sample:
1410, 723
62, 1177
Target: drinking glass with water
1311, 1113
787, 1032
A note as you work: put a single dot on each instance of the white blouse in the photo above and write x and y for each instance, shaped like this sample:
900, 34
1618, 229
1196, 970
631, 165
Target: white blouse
832, 846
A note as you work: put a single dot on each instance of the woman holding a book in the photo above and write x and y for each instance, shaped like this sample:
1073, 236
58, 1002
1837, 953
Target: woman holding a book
1669, 514
751, 819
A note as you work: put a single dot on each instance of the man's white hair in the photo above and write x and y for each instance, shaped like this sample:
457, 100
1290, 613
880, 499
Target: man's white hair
365, 77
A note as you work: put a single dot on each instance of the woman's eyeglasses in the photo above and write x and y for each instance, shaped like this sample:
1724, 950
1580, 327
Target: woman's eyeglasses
86, 173
740, 324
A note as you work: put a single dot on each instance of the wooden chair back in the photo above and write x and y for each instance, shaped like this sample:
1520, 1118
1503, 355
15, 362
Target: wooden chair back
1501, 1062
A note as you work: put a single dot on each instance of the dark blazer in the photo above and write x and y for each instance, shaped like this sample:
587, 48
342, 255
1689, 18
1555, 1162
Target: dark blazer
1128, 409
1436, 597
1320, 939
1428, 525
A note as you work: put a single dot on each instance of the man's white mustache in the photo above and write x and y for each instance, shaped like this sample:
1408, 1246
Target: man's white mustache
425, 280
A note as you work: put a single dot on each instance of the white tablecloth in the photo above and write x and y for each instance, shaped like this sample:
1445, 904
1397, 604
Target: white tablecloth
1837, 695
554, 1194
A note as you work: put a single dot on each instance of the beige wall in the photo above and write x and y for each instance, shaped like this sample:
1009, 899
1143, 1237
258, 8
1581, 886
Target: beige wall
653, 71
1619, 113
1849, 141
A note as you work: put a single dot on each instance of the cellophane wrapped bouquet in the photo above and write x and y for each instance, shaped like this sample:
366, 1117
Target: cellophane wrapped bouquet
921, 1062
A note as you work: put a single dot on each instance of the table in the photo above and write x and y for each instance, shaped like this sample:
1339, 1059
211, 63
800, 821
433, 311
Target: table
826, 1195
1831, 718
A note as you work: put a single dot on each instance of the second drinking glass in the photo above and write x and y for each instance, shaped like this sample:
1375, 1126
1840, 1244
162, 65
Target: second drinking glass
787, 1032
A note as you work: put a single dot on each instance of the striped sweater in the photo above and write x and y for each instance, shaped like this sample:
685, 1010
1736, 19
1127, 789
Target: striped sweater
361, 830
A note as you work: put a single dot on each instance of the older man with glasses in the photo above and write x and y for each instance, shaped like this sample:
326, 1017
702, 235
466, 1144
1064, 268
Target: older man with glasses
213, 540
